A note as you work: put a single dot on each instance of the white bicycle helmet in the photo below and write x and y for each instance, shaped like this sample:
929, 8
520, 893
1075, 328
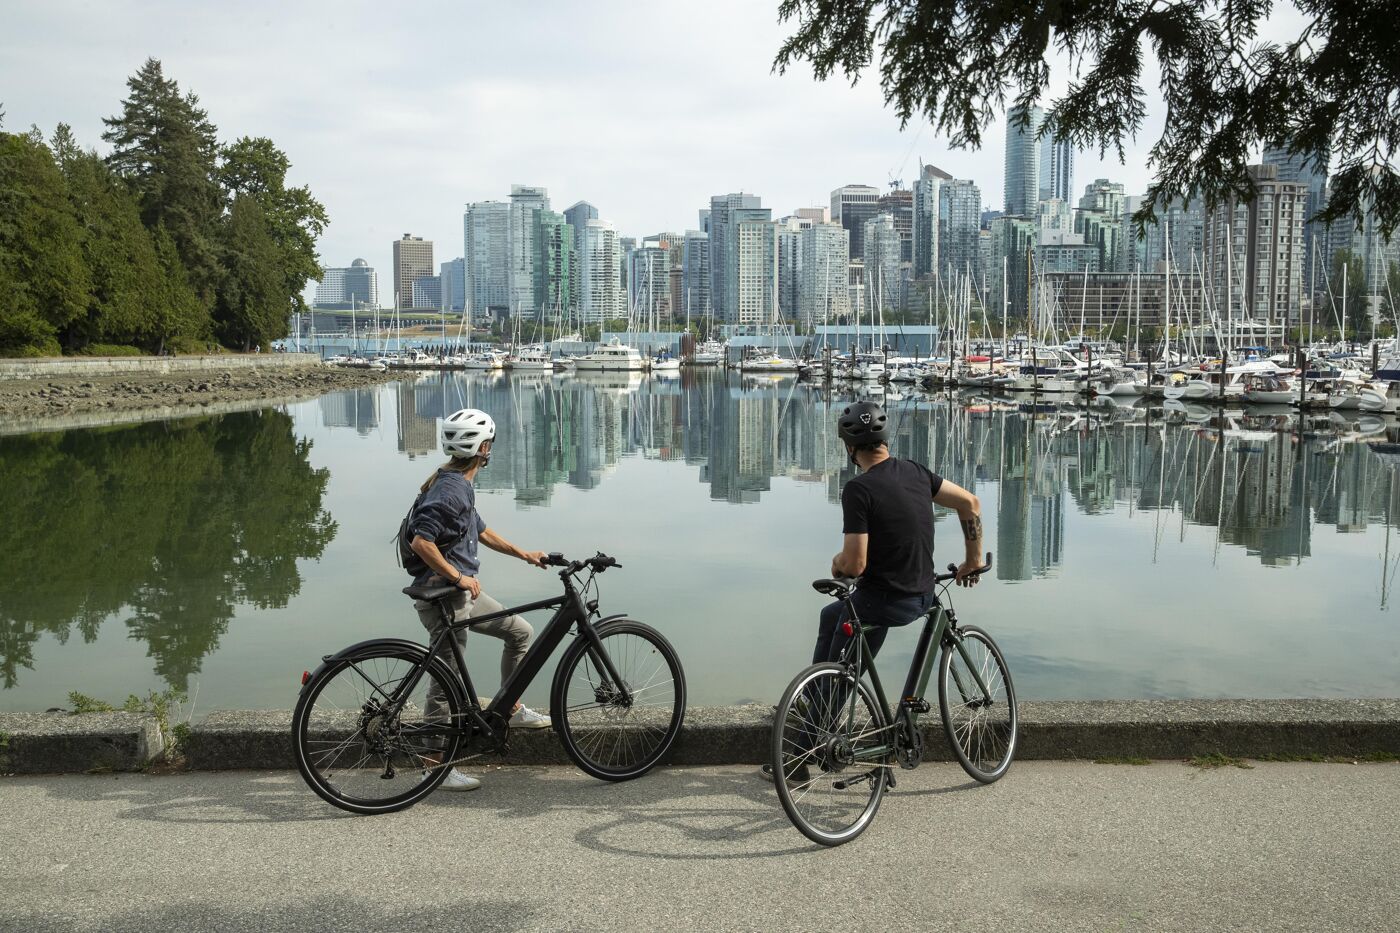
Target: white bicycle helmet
463, 432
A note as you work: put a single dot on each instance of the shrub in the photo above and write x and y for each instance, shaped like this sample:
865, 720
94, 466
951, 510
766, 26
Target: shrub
111, 349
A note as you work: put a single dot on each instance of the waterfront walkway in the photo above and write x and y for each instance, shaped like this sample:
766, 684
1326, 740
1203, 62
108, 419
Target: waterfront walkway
1055, 845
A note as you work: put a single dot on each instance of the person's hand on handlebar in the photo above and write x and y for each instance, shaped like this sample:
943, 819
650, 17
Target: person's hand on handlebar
538, 558
967, 571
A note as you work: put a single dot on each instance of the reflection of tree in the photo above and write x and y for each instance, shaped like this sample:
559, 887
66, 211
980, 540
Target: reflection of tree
178, 522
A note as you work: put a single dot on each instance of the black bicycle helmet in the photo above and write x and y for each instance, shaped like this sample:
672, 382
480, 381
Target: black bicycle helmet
863, 423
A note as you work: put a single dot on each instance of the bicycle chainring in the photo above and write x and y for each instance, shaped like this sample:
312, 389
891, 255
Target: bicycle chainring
909, 748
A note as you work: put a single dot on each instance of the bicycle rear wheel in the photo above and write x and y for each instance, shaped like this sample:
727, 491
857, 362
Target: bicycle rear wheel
618, 734
359, 753
828, 785
982, 728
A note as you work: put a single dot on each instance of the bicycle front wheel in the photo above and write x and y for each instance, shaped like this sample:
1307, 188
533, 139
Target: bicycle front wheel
362, 750
981, 727
827, 764
619, 731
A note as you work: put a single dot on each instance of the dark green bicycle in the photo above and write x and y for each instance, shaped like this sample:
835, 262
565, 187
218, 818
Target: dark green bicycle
837, 741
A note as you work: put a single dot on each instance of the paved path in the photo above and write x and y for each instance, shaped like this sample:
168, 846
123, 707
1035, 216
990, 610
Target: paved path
1055, 845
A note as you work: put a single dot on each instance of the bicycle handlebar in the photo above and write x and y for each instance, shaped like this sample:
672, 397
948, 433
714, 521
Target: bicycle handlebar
953, 571
597, 563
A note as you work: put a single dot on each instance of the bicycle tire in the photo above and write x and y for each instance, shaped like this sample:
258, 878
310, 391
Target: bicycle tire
803, 735
602, 734
319, 720
983, 737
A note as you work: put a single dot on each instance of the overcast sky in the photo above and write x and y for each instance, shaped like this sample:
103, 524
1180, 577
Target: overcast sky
396, 115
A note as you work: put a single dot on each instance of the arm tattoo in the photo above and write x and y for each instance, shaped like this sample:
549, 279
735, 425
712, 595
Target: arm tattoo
972, 528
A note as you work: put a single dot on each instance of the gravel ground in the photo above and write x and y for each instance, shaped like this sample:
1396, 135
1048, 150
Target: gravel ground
68, 395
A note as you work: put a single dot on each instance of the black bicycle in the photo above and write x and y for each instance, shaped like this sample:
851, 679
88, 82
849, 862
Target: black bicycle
378, 725
836, 740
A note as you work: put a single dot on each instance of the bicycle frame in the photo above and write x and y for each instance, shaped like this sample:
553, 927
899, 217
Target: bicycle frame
939, 632
570, 610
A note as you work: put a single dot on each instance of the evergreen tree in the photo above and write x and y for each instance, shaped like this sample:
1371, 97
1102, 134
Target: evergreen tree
165, 146
43, 280
252, 304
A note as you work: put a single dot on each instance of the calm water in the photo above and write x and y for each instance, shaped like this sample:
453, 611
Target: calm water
1176, 556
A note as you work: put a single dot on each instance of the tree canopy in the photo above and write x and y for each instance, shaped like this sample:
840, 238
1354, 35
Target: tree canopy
1331, 95
169, 239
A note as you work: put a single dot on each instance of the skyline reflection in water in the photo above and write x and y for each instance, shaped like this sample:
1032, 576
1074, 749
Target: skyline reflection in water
1180, 554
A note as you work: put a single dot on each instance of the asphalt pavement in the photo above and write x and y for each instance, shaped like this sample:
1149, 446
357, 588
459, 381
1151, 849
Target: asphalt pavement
1053, 846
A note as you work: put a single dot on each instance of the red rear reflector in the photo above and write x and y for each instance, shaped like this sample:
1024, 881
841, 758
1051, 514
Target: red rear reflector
305, 676
848, 629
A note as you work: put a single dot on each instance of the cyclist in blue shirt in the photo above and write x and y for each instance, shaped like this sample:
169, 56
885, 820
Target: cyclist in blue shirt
445, 530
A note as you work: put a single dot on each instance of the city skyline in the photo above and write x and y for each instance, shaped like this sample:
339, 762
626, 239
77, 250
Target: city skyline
394, 134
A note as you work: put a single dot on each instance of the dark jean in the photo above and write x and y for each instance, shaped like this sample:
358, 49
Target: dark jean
877, 610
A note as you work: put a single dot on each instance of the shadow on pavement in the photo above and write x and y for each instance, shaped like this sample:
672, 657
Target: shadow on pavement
341, 912
671, 813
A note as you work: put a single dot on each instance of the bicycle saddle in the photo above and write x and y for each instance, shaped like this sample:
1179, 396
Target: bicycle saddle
429, 593
840, 588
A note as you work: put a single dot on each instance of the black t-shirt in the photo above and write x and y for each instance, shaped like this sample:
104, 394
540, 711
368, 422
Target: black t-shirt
892, 502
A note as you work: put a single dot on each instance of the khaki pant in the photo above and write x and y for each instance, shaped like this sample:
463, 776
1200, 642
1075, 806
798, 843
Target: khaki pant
512, 629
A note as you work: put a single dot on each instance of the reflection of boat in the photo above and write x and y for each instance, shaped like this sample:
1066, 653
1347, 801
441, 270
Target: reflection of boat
614, 355
616, 380
1387, 453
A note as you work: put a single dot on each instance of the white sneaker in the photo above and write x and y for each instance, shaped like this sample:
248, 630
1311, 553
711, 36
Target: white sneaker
526, 718
456, 780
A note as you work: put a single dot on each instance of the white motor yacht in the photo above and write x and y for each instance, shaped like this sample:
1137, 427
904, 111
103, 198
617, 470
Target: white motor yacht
1205, 386
533, 358
613, 356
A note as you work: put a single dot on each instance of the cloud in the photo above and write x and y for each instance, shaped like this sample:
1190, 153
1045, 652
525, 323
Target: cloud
396, 116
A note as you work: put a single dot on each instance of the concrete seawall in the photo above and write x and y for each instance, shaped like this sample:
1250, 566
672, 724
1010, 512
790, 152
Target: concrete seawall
1159, 729
148, 365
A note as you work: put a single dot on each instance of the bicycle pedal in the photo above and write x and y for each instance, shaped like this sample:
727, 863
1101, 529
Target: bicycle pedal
917, 704
889, 780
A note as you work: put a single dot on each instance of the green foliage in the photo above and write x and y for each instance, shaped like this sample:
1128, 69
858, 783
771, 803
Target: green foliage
252, 304
82, 703
294, 219
165, 147
43, 279
111, 349
953, 62
1218, 760
1123, 760
140, 248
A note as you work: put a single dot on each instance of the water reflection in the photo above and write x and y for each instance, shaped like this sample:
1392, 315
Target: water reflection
170, 526
1262, 480
176, 529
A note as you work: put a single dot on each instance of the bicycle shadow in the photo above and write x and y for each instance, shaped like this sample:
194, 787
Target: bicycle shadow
683, 807
673, 813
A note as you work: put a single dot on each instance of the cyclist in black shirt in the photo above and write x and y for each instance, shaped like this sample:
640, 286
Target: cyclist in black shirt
887, 520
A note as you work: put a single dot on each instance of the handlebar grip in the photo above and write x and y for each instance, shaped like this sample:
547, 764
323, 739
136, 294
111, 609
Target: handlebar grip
555, 559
